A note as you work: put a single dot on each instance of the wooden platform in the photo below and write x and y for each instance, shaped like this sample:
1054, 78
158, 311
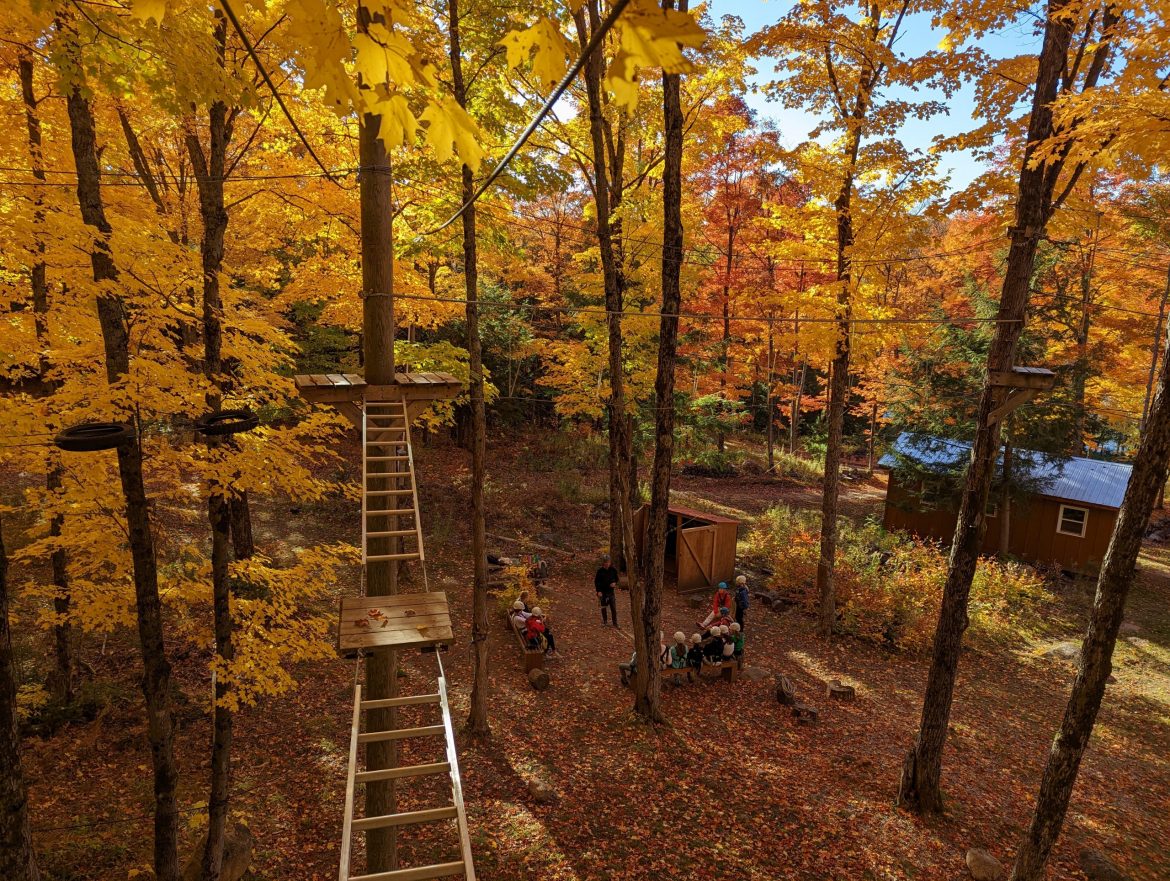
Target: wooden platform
333, 388
409, 620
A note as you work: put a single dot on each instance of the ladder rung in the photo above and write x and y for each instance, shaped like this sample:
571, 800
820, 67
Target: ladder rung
422, 873
389, 511
379, 558
390, 492
405, 771
392, 533
406, 700
406, 818
400, 733
387, 459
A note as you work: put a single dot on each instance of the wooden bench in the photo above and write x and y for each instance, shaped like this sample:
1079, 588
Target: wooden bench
729, 670
670, 674
533, 658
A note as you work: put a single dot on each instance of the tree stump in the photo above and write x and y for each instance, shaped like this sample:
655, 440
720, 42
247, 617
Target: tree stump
840, 692
538, 679
785, 691
804, 713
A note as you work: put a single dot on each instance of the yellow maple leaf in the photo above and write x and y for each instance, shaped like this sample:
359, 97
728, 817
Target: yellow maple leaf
450, 131
544, 43
397, 126
144, 10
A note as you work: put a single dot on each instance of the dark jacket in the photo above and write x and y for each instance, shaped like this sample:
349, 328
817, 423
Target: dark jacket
741, 597
605, 579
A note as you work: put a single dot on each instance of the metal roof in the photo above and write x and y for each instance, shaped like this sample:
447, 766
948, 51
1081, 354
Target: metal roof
1075, 479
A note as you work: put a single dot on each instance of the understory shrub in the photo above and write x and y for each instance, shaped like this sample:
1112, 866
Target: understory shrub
889, 585
798, 468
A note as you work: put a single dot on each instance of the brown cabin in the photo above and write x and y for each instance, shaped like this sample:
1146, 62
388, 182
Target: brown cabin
700, 547
1066, 521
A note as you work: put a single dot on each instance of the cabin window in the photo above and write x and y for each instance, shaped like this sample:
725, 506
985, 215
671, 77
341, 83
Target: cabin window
932, 493
1072, 521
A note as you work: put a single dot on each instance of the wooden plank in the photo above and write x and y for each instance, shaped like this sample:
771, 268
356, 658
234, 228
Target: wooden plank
399, 734
337, 379
406, 818
399, 639
347, 822
320, 379
429, 599
406, 700
1039, 378
350, 627
424, 770
381, 558
391, 512
422, 873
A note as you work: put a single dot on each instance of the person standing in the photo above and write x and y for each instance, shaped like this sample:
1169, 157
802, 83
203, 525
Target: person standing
605, 582
741, 600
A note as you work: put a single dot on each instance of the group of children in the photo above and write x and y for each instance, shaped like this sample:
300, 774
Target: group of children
533, 626
722, 641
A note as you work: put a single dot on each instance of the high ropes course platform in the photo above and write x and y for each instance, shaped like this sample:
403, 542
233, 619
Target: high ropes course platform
391, 535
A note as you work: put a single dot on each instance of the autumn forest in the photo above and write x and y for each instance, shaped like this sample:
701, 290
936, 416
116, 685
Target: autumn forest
604, 439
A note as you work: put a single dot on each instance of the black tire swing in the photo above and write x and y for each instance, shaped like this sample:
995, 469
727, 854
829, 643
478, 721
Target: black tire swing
226, 422
90, 437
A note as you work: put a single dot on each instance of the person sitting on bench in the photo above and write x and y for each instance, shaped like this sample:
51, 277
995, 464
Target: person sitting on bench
678, 651
728, 643
523, 598
713, 645
695, 653
536, 629
520, 615
663, 650
720, 605
737, 639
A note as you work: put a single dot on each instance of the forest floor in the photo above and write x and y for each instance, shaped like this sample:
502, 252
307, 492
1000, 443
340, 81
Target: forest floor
730, 788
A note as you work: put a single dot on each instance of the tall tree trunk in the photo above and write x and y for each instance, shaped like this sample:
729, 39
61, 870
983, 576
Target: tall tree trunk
210, 169
61, 681
838, 400
920, 787
872, 438
1117, 574
646, 681
725, 343
17, 861
156, 680
378, 358
672, 255
769, 401
477, 719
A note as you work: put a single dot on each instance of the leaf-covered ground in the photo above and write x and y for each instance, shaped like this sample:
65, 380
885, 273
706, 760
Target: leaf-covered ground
731, 788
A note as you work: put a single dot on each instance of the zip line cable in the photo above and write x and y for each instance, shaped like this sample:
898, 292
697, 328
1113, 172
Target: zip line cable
571, 74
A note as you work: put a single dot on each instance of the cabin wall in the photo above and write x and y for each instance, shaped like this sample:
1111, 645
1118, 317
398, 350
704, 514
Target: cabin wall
1033, 534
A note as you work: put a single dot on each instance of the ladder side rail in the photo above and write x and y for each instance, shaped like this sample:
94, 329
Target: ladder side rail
347, 823
456, 784
365, 481
414, 487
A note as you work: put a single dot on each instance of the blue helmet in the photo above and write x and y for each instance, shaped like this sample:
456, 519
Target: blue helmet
723, 585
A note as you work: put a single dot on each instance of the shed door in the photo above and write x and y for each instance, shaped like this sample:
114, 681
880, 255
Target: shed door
696, 557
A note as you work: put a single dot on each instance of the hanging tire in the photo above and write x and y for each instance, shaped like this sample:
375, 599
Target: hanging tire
89, 437
226, 422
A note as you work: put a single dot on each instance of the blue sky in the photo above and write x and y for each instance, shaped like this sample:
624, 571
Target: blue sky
794, 125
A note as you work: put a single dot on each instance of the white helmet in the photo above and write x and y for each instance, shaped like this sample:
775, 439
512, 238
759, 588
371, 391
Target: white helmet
741, 579
724, 630
518, 606
536, 611
679, 636
735, 627
696, 639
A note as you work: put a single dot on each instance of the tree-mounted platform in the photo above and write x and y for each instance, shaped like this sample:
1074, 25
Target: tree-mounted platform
332, 388
1022, 383
402, 621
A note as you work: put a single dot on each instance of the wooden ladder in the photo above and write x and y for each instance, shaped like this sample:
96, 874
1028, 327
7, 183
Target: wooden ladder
389, 491
464, 866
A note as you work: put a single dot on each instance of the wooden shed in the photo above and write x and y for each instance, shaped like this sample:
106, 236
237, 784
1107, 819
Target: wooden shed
1067, 520
700, 547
